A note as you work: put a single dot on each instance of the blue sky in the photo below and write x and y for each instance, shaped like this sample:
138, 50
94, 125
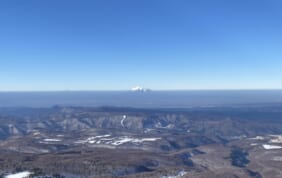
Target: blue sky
158, 44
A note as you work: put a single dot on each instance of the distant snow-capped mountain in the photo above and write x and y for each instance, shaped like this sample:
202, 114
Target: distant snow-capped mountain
140, 89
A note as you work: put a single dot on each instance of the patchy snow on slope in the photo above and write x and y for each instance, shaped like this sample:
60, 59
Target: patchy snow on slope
123, 140
122, 121
168, 126
115, 141
101, 136
52, 140
36, 133
276, 139
92, 140
24, 174
258, 138
271, 147
179, 175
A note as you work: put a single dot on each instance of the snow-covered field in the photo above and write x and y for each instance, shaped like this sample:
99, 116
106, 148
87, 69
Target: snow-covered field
179, 175
115, 141
271, 138
159, 125
273, 141
122, 121
276, 139
52, 140
122, 140
258, 138
24, 174
271, 147
93, 139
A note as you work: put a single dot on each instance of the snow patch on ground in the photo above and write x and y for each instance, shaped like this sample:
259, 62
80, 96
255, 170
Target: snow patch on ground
24, 174
36, 133
122, 121
271, 147
93, 140
276, 139
115, 141
123, 140
52, 140
258, 138
159, 125
179, 175
101, 136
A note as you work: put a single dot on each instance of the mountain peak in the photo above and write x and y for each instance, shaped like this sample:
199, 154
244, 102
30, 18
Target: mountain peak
139, 89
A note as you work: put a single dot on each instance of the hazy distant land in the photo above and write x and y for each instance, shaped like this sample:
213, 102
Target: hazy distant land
152, 99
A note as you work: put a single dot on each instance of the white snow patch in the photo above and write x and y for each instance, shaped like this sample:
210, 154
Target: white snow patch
258, 138
92, 140
98, 142
159, 125
169, 126
122, 140
52, 140
122, 121
24, 174
271, 147
101, 136
36, 133
276, 139
116, 141
179, 175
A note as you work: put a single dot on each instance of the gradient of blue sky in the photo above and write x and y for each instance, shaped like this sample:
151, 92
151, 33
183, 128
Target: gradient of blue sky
159, 44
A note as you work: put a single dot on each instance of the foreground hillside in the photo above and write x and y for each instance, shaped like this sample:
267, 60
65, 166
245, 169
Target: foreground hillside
242, 141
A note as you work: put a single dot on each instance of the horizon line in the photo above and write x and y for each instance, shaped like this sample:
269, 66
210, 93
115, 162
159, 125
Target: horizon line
150, 90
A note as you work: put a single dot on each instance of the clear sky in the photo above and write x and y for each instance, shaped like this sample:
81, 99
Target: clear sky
158, 44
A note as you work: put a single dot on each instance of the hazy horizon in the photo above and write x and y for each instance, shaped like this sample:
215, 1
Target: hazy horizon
150, 90
153, 99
